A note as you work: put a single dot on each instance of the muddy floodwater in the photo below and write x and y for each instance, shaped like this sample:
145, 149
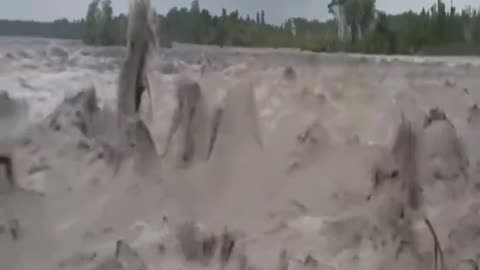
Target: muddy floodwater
301, 175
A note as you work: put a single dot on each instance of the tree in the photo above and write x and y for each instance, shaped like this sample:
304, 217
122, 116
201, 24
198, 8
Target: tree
367, 13
107, 26
195, 7
120, 25
352, 15
358, 14
434, 30
334, 3
440, 20
91, 23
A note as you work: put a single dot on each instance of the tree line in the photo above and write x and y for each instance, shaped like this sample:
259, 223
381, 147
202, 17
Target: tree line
357, 26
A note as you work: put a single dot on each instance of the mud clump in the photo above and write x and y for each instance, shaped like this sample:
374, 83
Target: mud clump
194, 244
423, 157
10, 56
427, 156
78, 260
237, 120
404, 151
39, 166
7, 176
228, 244
189, 125
289, 73
107, 52
95, 129
6, 102
126, 258
310, 144
467, 230
141, 40
146, 158
11, 136
110, 264
473, 117
140, 138
396, 189
283, 260
24, 54
435, 114
77, 111
315, 136
169, 68
201, 247
59, 52
394, 201
442, 155
15, 229
10, 109
473, 120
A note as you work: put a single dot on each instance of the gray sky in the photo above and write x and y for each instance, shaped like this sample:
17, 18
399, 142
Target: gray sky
275, 10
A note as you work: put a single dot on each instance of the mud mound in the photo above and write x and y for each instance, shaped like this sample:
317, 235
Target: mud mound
7, 105
13, 120
125, 258
395, 202
435, 114
58, 52
310, 144
9, 56
77, 111
90, 129
147, 160
465, 233
23, 54
22, 228
238, 125
169, 68
473, 117
203, 248
431, 159
188, 132
106, 52
289, 73
404, 152
442, 154
194, 244
473, 133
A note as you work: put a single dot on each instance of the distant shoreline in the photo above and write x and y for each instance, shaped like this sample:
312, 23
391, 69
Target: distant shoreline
176, 46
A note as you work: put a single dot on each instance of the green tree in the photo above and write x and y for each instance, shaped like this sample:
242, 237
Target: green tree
367, 13
195, 7
359, 15
107, 27
441, 21
91, 23
435, 30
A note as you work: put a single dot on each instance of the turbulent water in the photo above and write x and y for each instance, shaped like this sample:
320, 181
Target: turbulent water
301, 191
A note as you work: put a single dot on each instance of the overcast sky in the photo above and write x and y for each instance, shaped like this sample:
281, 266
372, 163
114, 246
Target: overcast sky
275, 10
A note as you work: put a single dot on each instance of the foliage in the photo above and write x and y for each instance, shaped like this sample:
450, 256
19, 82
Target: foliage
101, 28
91, 30
438, 30
61, 28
